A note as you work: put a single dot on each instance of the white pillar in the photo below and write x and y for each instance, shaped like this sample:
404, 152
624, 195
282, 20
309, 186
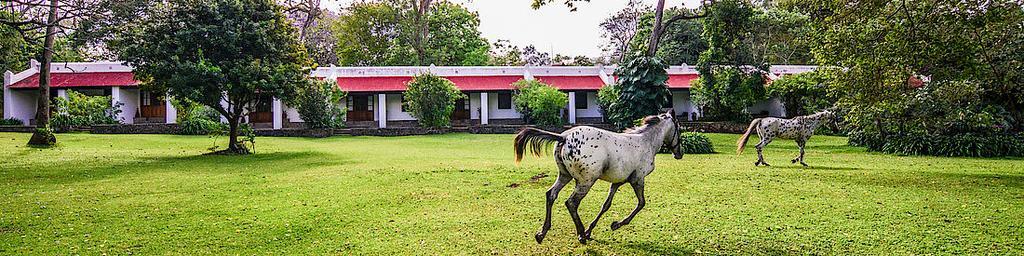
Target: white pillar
8, 98
224, 104
382, 112
278, 117
62, 93
171, 113
115, 97
572, 107
484, 108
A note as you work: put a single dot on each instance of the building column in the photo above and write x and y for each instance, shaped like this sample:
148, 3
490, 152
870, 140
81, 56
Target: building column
170, 113
382, 110
275, 107
62, 93
572, 107
224, 104
8, 98
484, 108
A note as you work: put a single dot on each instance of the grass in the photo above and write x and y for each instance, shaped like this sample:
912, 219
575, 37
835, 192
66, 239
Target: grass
451, 194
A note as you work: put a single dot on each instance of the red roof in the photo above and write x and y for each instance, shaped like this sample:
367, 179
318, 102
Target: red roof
681, 81
103, 79
573, 82
374, 84
484, 83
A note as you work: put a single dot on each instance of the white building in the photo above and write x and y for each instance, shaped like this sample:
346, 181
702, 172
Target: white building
375, 93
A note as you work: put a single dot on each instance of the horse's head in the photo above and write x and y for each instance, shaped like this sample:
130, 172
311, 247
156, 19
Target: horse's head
672, 139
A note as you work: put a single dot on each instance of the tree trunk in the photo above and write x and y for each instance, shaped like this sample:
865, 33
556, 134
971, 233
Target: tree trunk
234, 146
43, 136
652, 47
421, 9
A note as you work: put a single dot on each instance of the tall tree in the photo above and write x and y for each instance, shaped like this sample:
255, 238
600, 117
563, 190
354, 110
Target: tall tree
620, 29
681, 44
380, 32
224, 54
314, 31
40, 22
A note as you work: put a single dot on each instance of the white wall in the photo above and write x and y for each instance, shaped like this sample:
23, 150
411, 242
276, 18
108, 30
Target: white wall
592, 109
394, 110
21, 104
773, 105
681, 103
474, 106
130, 98
292, 114
495, 113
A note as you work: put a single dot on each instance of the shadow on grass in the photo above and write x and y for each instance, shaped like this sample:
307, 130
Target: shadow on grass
274, 162
814, 167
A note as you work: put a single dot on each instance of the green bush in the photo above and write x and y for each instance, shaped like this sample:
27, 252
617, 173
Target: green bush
540, 103
79, 110
695, 143
966, 144
607, 96
726, 95
318, 106
804, 93
431, 100
11, 121
197, 119
641, 91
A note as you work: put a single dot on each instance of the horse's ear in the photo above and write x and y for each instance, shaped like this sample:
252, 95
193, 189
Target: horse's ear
650, 120
671, 112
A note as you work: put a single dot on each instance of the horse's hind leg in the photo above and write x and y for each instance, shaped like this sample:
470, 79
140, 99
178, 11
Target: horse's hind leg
604, 208
573, 204
800, 144
551, 195
638, 188
760, 149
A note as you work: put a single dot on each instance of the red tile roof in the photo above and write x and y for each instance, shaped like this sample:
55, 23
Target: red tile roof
681, 81
99, 79
573, 82
374, 84
484, 83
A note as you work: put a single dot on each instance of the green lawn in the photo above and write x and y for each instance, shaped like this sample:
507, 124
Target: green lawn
451, 194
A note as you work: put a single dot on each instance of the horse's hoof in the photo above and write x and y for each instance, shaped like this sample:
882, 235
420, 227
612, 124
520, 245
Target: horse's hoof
757, 163
792, 161
583, 240
616, 225
766, 164
539, 237
804, 164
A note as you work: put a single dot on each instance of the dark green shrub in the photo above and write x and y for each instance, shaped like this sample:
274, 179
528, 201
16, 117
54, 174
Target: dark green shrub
966, 144
540, 103
196, 119
317, 104
11, 121
695, 143
79, 110
431, 100
726, 95
641, 91
607, 96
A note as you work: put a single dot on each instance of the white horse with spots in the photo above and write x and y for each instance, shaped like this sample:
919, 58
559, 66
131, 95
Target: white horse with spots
587, 154
799, 129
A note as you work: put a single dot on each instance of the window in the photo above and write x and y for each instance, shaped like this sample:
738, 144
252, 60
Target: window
582, 100
504, 100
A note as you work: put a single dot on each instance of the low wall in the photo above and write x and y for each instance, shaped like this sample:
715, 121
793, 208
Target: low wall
135, 129
312, 133
17, 128
713, 127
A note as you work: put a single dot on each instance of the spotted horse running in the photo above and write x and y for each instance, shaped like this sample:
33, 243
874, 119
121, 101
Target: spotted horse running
799, 129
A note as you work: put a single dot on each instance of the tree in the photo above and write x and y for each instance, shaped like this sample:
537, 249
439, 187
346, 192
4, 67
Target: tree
216, 51
385, 33
503, 53
317, 104
540, 103
313, 24
620, 29
43, 20
682, 43
534, 57
730, 79
431, 99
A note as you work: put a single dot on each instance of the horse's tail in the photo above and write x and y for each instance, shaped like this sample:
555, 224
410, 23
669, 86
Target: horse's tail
536, 139
742, 142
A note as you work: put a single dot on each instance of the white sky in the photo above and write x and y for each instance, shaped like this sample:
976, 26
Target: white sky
552, 28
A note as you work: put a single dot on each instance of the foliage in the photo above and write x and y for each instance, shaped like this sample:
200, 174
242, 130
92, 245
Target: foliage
197, 119
681, 42
504, 53
431, 99
217, 50
969, 54
779, 36
382, 33
318, 105
642, 91
620, 29
695, 143
16, 51
606, 96
79, 110
804, 93
540, 103
963, 144
11, 122
728, 98
728, 85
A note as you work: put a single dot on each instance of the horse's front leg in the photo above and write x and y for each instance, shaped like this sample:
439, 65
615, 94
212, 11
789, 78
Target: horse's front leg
638, 188
573, 204
604, 208
550, 196
801, 144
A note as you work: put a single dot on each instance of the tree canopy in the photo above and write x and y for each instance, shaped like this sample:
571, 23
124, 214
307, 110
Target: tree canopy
211, 51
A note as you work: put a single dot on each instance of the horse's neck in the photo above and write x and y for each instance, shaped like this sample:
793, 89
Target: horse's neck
655, 136
812, 120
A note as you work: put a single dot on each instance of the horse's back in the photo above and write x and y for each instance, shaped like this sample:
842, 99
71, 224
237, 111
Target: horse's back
782, 128
590, 153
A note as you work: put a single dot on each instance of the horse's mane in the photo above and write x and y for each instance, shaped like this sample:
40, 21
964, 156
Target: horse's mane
648, 122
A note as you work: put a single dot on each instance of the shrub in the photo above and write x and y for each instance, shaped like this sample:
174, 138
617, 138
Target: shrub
317, 104
197, 119
803, 94
431, 100
726, 95
11, 121
641, 91
542, 104
79, 110
607, 96
966, 144
695, 143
